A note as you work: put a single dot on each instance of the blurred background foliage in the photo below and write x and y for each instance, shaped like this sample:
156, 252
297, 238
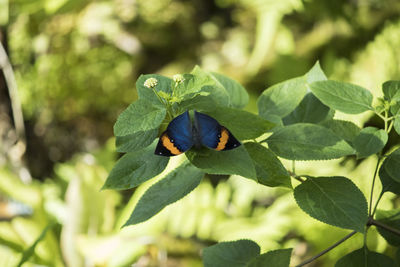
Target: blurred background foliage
76, 63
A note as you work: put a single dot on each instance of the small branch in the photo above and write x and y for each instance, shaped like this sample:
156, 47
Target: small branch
373, 185
377, 202
371, 221
297, 177
327, 250
5, 65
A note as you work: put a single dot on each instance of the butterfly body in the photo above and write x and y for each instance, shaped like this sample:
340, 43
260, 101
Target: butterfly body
181, 135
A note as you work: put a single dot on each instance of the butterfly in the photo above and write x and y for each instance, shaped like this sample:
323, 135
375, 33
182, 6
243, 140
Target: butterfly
181, 135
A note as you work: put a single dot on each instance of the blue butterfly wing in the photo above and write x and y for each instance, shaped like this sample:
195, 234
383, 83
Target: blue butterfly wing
212, 134
178, 137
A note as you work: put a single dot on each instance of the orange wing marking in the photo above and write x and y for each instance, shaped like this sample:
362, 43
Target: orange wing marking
223, 139
169, 145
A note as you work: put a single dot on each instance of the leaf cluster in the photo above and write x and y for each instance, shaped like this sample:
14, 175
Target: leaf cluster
295, 122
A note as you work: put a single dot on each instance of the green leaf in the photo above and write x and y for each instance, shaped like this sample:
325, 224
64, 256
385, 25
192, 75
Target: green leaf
237, 94
192, 85
392, 219
388, 184
392, 165
315, 74
139, 116
371, 140
164, 84
391, 90
275, 258
344, 129
279, 100
31, 249
269, 169
333, 200
137, 126
199, 102
243, 125
309, 110
303, 141
233, 254
218, 93
177, 184
234, 161
396, 125
364, 258
135, 168
345, 97
135, 141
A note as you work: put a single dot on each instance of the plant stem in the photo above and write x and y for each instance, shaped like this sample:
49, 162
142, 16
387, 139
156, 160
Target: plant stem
377, 202
166, 104
390, 127
294, 167
373, 185
371, 221
386, 122
327, 250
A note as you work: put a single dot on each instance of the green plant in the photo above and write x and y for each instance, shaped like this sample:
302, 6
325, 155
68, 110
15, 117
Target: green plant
296, 121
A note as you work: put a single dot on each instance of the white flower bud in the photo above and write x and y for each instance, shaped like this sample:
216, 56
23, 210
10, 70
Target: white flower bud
150, 82
178, 78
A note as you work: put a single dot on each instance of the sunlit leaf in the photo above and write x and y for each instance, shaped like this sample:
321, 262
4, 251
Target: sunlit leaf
315, 74
31, 249
303, 141
137, 126
391, 90
269, 169
344, 129
135, 168
333, 200
174, 186
237, 94
281, 99
345, 97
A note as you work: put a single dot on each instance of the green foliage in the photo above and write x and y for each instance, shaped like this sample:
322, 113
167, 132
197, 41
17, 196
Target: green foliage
244, 125
281, 99
235, 161
138, 121
269, 169
236, 254
174, 186
364, 258
310, 110
75, 64
333, 200
303, 128
345, 97
371, 140
308, 142
392, 219
134, 168
30, 251
391, 165
344, 129
277, 258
